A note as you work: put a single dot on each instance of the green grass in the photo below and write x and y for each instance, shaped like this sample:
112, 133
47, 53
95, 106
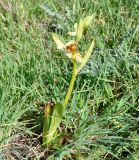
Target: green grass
101, 120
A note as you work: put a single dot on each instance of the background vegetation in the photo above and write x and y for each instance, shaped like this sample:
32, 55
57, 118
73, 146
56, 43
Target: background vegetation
102, 120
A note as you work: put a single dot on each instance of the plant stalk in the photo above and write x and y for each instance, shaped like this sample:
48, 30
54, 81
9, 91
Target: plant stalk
73, 78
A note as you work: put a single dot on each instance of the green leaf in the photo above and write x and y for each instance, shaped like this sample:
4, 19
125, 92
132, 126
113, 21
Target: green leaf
56, 118
86, 57
47, 121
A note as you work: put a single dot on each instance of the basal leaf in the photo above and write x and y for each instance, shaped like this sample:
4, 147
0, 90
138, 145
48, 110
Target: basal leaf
47, 121
56, 118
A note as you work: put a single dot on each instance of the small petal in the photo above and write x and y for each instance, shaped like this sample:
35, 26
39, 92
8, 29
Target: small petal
79, 57
72, 33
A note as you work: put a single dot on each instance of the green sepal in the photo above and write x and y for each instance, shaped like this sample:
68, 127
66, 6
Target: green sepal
86, 57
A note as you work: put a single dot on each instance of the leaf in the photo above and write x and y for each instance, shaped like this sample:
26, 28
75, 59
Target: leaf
58, 41
87, 21
86, 57
55, 121
47, 121
57, 116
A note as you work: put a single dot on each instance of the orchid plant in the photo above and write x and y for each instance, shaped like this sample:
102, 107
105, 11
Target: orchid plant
53, 113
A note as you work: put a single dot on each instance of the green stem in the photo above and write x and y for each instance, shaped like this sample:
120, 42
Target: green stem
73, 78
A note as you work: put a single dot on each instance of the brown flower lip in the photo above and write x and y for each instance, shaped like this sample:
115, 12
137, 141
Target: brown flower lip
72, 48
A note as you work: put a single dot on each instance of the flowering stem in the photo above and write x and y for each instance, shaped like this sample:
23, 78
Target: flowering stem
73, 78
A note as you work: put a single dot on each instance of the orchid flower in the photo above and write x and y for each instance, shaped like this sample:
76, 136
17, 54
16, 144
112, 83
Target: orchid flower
71, 47
53, 115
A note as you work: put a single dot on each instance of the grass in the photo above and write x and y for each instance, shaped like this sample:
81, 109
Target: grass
101, 121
